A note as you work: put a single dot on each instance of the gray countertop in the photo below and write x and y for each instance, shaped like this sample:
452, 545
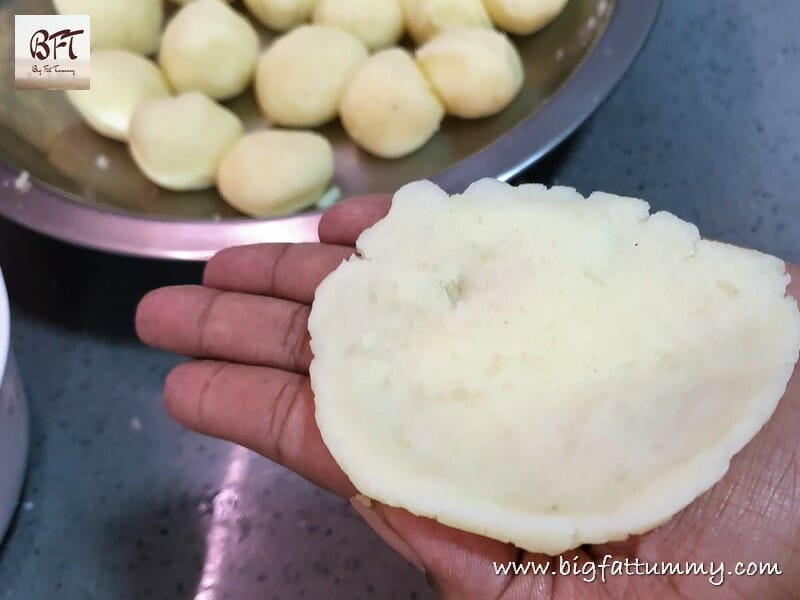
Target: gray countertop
121, 503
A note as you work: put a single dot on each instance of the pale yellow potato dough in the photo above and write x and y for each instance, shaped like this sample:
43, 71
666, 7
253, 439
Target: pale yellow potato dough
188, 1
121, 81
120, 24
475, 72
427, 18
388, 107
178, 143
377, 23
544, 369
211, 48
301, 77
270, 173
281, 14
523, 17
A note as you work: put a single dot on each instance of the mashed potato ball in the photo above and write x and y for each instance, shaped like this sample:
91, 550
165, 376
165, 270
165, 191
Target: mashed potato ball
523, 17
281, 14
270, 173
121, 80
475, 72
301, 77
179, 142
388, 108
209, 47
187, 1
124, 24
378, 23
426, 18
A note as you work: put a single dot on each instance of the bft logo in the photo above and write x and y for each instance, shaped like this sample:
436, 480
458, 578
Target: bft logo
45, 44
51, 52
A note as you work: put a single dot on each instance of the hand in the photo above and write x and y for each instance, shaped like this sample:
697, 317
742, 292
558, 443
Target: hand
246, 331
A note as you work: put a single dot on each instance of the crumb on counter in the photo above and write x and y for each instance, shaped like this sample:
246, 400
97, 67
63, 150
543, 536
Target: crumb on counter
23, 182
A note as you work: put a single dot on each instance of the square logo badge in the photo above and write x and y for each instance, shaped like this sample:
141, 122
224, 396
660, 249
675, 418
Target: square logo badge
51, 52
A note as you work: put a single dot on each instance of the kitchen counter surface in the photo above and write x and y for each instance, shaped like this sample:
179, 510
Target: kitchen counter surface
121, 503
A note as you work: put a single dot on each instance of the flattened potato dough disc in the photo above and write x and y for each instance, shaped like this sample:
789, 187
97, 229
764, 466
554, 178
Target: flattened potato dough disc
545, 369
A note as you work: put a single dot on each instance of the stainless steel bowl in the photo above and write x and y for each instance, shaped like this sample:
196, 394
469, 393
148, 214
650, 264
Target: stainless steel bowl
86, 190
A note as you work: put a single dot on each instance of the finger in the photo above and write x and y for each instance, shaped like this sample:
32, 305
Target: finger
205, 323
267, 410
344, 222
794, 287
289, 271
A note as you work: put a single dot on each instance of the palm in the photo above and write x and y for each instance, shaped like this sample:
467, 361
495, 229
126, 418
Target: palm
246, 329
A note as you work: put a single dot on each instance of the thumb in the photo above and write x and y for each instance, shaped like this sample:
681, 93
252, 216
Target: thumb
457, 564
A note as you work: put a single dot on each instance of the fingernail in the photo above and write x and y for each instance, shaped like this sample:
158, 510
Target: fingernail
362, 500
364, 507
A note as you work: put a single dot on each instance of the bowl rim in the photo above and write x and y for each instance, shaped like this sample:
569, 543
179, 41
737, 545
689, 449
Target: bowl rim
92, 226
